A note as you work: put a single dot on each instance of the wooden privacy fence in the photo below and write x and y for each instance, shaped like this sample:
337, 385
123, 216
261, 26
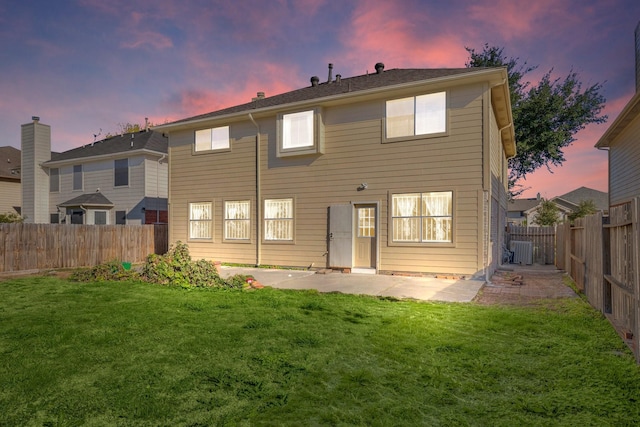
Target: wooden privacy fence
44, 246
601, 256
543, 240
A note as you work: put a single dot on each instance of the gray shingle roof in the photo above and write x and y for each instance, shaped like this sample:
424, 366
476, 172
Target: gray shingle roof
150, 140
521, 205
600, 198
346, 85
92, 199
10, 160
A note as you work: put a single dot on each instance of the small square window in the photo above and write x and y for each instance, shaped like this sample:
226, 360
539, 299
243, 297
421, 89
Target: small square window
300, 133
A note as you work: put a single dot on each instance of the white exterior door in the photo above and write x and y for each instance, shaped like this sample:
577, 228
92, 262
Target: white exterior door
340, 236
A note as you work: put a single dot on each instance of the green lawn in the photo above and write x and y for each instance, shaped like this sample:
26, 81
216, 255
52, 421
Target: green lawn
139, 354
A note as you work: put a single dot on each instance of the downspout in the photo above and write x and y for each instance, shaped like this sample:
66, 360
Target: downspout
164, 156
258, 195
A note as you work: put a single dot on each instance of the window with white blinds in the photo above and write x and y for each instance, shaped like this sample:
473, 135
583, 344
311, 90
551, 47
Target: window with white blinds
200, 220
237, 220
416, 115
278, 219
297, 130
422, 217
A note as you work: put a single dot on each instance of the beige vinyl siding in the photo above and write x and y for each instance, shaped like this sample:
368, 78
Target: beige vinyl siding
624, 164
354, 153
10, 195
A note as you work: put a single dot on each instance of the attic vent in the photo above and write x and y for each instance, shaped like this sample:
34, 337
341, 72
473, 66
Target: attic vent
379, 68
338, 78
314, 81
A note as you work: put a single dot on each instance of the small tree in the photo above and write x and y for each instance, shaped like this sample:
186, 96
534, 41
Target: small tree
10, 217
548, 214
585, 208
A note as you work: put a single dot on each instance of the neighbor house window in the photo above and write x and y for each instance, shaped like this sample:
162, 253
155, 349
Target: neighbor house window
121, 173
121, 217
300, 133
237, 220
212, 139
55, 218
278, 219
54, 180
100, 217
77, 177
422, 217
200, 220
416, 115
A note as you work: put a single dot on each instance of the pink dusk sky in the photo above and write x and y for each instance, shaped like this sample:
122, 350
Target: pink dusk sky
87, 66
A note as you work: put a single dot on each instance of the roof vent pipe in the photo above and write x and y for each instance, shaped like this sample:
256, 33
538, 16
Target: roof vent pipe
338, 78
379, 68
330, 73
314, 81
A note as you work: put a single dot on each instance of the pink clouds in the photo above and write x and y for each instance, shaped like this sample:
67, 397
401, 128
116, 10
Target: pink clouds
147, 38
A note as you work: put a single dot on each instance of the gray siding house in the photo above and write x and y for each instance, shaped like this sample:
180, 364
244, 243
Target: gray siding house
622, 140
118, 180
401, 170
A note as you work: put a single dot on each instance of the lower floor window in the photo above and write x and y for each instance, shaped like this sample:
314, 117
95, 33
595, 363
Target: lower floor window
422, 217
100, 217
200, 220
237, 220
278, 219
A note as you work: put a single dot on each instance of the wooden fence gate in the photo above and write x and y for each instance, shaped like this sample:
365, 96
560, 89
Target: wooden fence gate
543, 240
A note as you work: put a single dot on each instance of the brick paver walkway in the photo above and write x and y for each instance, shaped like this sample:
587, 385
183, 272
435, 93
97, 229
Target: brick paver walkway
538, 282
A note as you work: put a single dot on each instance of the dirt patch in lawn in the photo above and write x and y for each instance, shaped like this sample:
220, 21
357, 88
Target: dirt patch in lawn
522, 286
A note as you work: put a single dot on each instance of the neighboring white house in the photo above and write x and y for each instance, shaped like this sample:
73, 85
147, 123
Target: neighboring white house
10, 190
524, 211
119, 180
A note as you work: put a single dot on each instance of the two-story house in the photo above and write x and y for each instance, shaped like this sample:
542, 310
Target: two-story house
118, 180
401, 170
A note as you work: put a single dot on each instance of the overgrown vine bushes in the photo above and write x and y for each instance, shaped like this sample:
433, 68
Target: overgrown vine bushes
175, 268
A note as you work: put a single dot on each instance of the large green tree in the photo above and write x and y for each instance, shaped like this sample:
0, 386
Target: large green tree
546, 115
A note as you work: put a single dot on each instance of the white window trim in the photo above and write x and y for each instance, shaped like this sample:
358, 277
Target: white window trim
201, 136
414, 135
227, 221
421, 243
192, 220
318, 134
266, 219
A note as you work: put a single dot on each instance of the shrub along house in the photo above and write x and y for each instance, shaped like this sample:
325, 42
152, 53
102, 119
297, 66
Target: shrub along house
119, 180
401, 170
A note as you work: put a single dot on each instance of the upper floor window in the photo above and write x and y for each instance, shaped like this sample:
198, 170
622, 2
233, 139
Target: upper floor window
54, 180
121, 173
422, 217
77, 177
237, 220
300, 133
278, 219
212, 139
200, 220
416, 115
